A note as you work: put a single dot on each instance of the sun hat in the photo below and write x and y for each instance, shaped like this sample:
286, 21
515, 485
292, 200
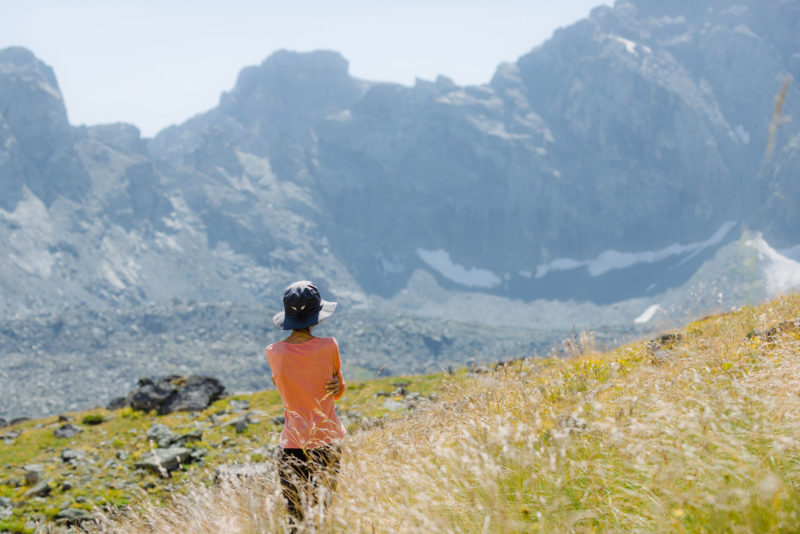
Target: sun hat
302, 307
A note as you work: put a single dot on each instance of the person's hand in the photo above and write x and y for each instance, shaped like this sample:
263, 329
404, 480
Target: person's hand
332, 386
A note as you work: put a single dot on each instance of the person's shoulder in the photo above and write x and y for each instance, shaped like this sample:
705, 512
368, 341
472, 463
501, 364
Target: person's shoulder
273, 347
328, 341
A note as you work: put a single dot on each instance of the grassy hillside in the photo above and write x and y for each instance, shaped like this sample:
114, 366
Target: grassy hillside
698, 430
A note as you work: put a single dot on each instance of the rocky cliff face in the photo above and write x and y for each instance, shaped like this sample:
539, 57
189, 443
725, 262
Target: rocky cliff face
37, 149
606, 164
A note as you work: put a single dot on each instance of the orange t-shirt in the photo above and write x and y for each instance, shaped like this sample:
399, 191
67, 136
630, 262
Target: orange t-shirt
300, 371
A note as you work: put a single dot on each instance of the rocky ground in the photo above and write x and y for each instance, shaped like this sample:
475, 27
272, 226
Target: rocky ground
84, 358
63, 470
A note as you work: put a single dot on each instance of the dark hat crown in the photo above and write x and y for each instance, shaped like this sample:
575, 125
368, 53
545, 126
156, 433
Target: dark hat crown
301, 299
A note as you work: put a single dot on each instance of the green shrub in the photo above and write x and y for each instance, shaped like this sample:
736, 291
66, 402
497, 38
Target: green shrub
92, 419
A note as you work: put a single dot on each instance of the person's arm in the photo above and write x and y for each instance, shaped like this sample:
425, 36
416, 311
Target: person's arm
335, 385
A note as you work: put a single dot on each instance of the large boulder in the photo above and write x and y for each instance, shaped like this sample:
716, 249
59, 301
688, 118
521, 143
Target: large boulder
172, 394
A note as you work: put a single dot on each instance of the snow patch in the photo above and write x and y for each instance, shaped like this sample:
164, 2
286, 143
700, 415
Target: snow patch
613, 259
647, 314
781, 273
630, 46
440, 261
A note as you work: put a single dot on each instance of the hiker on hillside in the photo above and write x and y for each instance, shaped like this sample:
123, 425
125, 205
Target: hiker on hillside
307, 372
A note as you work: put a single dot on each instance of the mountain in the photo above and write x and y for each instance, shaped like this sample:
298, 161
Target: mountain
618, 175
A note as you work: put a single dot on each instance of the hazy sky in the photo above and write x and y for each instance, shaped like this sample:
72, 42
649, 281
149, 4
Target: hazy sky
153, 63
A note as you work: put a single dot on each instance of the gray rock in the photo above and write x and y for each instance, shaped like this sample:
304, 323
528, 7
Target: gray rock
9, 437
3, 422
67, 431
164, 461
393, 406
6, 508
34, 473
161, 434
40, 489
73, 516
71, 455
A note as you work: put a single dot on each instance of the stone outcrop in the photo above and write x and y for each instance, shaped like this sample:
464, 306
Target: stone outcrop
171, 394
164, 461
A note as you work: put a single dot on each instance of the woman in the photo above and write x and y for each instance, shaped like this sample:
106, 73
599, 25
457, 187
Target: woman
307, 372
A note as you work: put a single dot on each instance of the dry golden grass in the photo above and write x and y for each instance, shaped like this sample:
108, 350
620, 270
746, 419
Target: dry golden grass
694, 434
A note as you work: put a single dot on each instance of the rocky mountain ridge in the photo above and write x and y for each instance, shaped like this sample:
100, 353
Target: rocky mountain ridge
615, 169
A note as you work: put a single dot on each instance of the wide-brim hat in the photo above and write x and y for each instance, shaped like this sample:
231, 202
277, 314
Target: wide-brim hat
302, 307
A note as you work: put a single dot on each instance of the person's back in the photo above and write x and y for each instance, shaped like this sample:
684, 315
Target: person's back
300, 371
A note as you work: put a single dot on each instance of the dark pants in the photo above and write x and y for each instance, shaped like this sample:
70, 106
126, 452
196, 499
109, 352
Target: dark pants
303, 472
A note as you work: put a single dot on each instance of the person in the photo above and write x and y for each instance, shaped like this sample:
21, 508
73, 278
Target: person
307, 372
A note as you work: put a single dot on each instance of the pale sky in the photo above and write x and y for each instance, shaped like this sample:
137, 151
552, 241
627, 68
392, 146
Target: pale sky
153, 63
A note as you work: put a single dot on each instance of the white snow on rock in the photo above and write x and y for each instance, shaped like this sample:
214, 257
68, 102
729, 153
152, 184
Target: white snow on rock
440, 261
629, 45
781, 273
647, 314
613, 259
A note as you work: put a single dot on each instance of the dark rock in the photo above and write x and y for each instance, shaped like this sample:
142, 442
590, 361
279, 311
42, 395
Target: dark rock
171, 394
3, 422
122, 455
241, 425
279, 420
67, 431
194, 393
64, 418
18, 420
118, 403
66, 485
164, 461
41, 489
152, 395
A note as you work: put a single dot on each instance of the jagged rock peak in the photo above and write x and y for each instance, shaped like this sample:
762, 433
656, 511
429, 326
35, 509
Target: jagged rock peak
37, 149
16, 61
311, 84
